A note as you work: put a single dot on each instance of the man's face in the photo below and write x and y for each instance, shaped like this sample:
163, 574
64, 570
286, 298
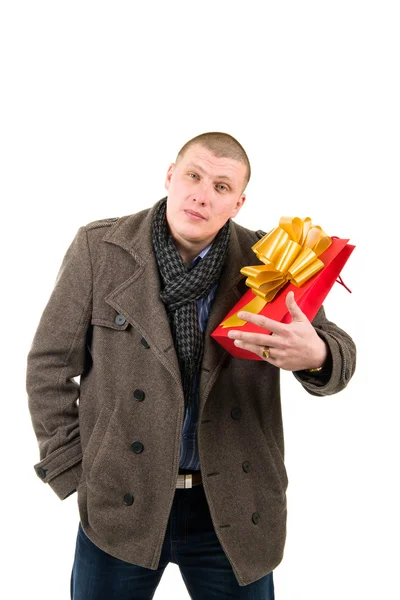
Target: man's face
204, 184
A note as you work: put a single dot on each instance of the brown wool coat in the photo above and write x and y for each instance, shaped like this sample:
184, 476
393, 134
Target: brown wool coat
105, 322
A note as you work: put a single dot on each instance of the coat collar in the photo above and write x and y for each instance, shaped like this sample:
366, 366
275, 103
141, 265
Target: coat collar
137, 298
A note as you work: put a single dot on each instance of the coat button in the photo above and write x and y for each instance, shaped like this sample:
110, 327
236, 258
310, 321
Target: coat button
255, 517
120, 319
144, 343
346, 374
137, 447
226, 363
236, 413
246, 466
139, 395
41, 472
128, 499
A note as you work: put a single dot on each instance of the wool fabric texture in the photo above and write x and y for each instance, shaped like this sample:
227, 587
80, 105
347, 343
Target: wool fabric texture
182, 286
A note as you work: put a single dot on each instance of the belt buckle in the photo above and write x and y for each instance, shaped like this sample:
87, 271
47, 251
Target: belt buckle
184, 480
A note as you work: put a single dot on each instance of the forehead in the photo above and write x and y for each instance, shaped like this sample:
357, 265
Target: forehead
199, 157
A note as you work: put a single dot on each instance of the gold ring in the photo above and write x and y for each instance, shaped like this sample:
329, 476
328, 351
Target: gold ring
265, 352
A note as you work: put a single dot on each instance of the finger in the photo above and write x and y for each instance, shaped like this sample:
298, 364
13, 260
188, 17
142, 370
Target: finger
294, 309
256, 339
255, 349
264, 322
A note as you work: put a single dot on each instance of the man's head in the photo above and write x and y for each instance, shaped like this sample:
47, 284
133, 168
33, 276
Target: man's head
209, 177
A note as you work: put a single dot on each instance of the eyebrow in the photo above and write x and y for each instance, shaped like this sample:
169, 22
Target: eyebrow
199, 168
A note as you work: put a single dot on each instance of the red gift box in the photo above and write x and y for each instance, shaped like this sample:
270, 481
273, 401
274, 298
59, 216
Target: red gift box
309, 297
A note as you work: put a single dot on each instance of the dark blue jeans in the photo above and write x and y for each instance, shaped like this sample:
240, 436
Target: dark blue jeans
190, 542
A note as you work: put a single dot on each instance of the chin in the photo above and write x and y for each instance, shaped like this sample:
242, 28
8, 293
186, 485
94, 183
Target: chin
193, 236
194, 226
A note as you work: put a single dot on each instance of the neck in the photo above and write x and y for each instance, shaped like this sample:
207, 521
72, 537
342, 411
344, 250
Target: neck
188, 254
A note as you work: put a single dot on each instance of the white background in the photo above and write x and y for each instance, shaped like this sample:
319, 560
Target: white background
96, 100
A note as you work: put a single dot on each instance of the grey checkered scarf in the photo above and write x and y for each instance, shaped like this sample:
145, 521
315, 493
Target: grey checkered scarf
182, 286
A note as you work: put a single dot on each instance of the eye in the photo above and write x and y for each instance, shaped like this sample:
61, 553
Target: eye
194, 174
221, 185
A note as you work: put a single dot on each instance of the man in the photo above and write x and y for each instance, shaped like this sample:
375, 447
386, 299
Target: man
162, 406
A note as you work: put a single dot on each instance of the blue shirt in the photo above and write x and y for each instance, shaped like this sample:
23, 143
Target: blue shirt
189, 457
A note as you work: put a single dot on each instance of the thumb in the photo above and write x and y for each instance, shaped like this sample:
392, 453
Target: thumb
294, 309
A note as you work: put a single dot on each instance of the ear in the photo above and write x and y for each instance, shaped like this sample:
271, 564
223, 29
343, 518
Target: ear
238, 205
170, 171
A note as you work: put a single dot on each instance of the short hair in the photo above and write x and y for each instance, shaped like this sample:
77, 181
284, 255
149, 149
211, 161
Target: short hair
221, 145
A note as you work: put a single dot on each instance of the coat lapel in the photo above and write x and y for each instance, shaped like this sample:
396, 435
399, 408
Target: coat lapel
137, 298
230, 289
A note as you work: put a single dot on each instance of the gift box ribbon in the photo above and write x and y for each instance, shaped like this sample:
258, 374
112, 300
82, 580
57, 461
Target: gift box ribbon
290, 254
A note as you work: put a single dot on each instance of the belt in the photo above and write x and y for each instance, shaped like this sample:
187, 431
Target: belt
188, 480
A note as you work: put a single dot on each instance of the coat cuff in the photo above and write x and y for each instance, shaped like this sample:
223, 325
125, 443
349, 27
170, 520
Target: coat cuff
334, 376
62, 469
67, 482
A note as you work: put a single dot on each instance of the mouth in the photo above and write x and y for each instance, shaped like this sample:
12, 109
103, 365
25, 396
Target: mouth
194, 215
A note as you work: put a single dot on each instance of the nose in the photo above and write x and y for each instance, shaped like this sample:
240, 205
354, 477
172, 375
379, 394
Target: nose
201, 195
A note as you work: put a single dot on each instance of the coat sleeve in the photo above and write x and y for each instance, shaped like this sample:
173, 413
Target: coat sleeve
56, 356
341, 360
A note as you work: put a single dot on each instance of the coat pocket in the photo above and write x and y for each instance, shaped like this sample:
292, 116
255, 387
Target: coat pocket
96, 438
277, 459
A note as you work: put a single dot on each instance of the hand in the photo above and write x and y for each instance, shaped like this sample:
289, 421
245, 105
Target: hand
293, 346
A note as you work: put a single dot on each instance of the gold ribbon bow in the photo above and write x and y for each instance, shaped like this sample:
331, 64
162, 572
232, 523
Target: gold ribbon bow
289, 253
